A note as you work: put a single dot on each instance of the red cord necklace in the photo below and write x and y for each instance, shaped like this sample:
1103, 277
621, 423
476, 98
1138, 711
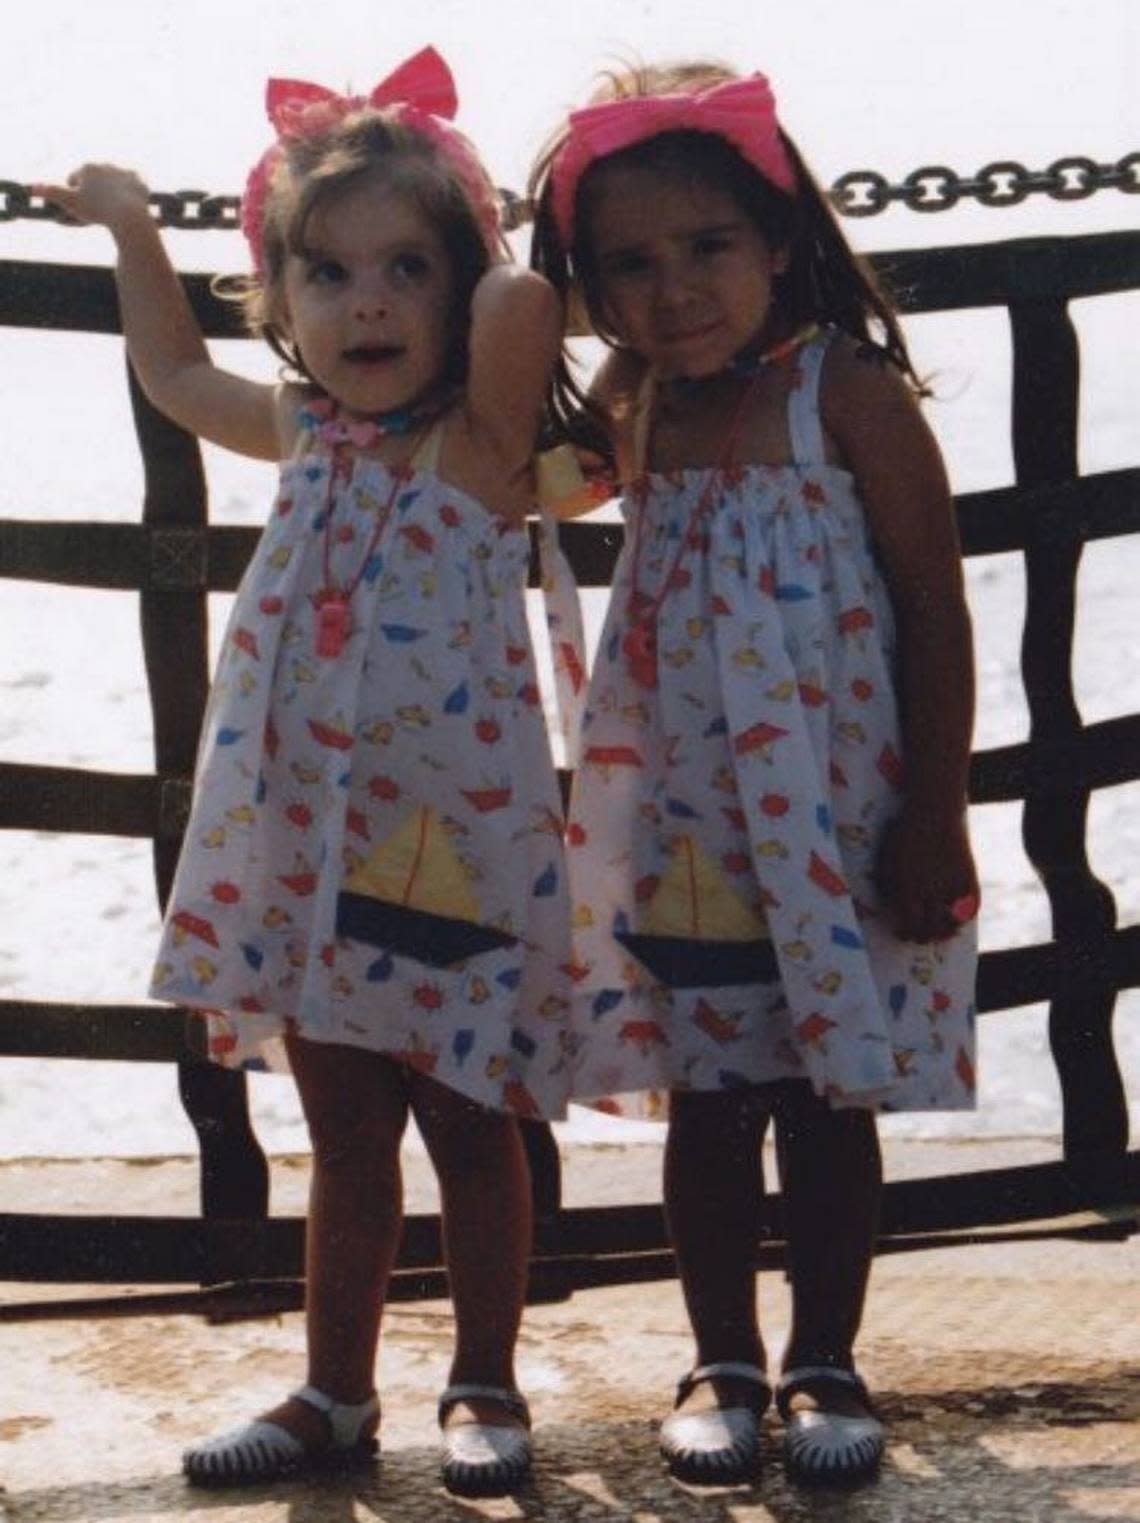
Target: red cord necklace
639, 643
334, 618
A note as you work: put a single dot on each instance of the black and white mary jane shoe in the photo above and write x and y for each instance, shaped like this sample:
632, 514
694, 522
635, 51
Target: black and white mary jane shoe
828, 1448
721, 1446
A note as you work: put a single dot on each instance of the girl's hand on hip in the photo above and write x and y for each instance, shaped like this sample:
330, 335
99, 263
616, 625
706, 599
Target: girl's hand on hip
100, 193
926, 877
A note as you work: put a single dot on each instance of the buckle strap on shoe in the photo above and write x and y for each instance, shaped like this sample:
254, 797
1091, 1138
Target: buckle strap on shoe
346, 1419
512, 1401
793, 1381
735, 1369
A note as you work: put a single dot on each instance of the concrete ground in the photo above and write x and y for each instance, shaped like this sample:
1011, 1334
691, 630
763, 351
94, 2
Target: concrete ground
1009, 1375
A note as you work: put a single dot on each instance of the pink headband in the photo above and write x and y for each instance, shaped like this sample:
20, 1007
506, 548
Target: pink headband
420, 94
742, 111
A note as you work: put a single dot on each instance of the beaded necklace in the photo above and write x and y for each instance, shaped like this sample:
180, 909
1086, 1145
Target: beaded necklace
639, 643
345, 436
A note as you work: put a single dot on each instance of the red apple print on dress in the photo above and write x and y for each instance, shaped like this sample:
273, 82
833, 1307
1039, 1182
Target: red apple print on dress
487, 800
194, 925
813, 492
329, 735
774, 804
853, 620
357, 823
300, 815
225, 893
824, 876
964, 1068
862, 689
419, 538
571, 664
890, 764
427, 996
302, 881
814, 1028
643, 1034
271, 605
449, 514
756, 737
488, 730
614, 756
385, 788
246, 640
811, 696
516, 655
575, 834
722, 1028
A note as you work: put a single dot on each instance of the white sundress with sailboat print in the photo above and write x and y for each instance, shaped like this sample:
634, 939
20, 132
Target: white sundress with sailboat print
375, 848
724, 823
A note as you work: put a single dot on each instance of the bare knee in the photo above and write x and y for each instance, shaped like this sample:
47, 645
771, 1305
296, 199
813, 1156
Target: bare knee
344, 1144
355, 1106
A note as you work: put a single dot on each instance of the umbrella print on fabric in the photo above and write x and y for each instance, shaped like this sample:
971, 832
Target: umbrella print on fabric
411, 895
696, 932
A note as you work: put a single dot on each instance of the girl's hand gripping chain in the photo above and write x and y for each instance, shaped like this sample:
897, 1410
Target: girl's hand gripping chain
164, 341
100, 193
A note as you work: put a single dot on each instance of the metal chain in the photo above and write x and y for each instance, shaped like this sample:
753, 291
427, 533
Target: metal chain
858, 193
935, 188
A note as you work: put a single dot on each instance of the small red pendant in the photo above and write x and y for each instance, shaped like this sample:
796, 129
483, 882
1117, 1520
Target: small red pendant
332, 627
640, 648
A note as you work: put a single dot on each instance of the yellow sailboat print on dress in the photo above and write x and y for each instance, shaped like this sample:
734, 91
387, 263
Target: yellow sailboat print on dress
696, 931
412, 895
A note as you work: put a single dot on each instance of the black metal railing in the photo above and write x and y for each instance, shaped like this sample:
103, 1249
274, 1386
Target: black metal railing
174, 557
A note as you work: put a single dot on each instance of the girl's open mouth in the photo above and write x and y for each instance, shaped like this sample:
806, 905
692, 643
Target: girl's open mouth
373, 354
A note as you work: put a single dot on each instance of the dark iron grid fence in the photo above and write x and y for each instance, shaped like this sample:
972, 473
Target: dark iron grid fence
173, 558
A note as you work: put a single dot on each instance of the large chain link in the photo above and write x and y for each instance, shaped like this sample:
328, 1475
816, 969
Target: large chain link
858, 193
934, 188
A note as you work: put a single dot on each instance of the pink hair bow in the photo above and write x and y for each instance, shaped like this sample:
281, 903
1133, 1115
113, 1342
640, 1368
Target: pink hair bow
420, 93
742, 111
297, 108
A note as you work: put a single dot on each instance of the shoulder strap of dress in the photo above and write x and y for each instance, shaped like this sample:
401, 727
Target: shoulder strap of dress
804, 427
425, 456
642, 414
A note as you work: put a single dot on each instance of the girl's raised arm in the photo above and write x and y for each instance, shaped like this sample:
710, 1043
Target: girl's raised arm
516, 330
163, 338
